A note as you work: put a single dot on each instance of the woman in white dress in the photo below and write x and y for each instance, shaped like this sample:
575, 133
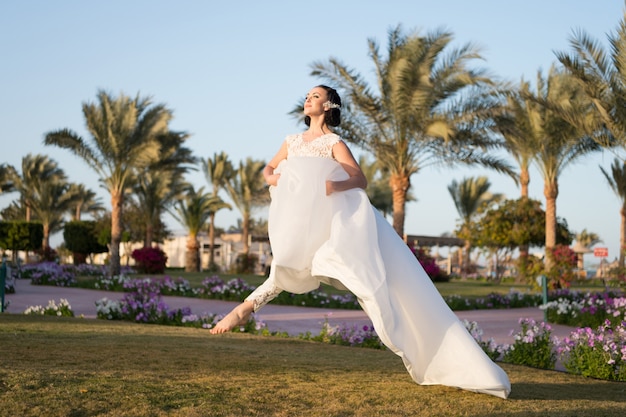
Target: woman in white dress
323, 229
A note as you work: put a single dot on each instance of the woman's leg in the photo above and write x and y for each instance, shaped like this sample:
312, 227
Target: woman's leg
265, 293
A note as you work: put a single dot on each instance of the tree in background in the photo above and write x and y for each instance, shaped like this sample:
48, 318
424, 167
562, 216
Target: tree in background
52, 201
84, 201
502, 227
617, 181
516, 121
561, 142
44, 192
218, 172
123, 140
427, 108
468, 196
81, 239
247, 191
20, 236
192, 211
161, 183
154, 192
378, 188
602, 76
36, 170
6, 184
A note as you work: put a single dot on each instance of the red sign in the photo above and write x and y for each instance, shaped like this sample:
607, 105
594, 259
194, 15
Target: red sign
600, 252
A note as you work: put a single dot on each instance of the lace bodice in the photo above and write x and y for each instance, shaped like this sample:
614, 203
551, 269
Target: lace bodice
321, 146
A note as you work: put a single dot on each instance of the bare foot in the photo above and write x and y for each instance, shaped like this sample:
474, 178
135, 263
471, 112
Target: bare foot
239, 315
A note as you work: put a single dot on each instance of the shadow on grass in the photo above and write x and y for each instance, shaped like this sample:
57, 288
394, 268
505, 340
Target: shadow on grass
606, 391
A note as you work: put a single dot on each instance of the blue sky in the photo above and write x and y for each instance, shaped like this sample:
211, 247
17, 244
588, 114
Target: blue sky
231, 71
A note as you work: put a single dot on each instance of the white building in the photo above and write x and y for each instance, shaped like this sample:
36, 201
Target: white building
227, 247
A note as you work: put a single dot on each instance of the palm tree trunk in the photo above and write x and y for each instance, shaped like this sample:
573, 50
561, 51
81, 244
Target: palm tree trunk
400, 184
116, 231
45, 243
245, 233
465, 267
211, 240
550, 191
524, 180
28, 215
192, 257
622, 236
149, 235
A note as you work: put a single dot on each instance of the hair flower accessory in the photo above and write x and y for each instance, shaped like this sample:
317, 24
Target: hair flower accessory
332, 105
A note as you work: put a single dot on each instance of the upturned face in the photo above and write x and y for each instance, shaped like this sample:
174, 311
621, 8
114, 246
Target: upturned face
314, 104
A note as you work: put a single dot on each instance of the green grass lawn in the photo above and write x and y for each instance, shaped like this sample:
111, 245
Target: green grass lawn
53, 366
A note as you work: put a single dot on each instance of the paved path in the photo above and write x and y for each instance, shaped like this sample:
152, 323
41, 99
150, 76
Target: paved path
496, 324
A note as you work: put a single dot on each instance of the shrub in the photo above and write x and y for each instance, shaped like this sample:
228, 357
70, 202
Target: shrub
149, 260
564, 261
430, 265
490, 347
245, 263
585, 309
63, 309
49, 273
215, 288
599, 353
533, 346
47, 254
346, 335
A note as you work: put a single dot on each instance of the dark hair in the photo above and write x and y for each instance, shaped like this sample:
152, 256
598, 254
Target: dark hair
332, 116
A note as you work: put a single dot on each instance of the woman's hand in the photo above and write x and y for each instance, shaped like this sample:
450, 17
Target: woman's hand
272, 179
330, 187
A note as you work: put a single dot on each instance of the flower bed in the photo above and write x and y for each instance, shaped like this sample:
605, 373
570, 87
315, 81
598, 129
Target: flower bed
63, 309
599, 353
577, 309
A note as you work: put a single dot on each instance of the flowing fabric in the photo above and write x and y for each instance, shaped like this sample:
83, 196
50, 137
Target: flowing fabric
343, 241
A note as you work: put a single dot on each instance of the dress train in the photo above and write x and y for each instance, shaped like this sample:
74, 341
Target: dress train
343, 241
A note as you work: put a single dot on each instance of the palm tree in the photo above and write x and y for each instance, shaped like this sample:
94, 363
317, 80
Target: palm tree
36, 171
378, 188
602, 76
85, 200
516, 121
123, 140
218, 172
247, 191
560, 142
427, 109
6, 173
617, 182
51, 202
468, 196
44, 193
192, 211
160, 184
153, 192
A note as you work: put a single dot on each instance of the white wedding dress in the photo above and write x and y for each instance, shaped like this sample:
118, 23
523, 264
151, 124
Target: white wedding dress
342, 240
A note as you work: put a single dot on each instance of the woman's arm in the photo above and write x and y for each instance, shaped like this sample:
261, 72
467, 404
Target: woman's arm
356, 179
268, 171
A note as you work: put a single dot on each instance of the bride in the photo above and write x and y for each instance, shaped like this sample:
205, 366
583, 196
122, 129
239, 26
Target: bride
323, 229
